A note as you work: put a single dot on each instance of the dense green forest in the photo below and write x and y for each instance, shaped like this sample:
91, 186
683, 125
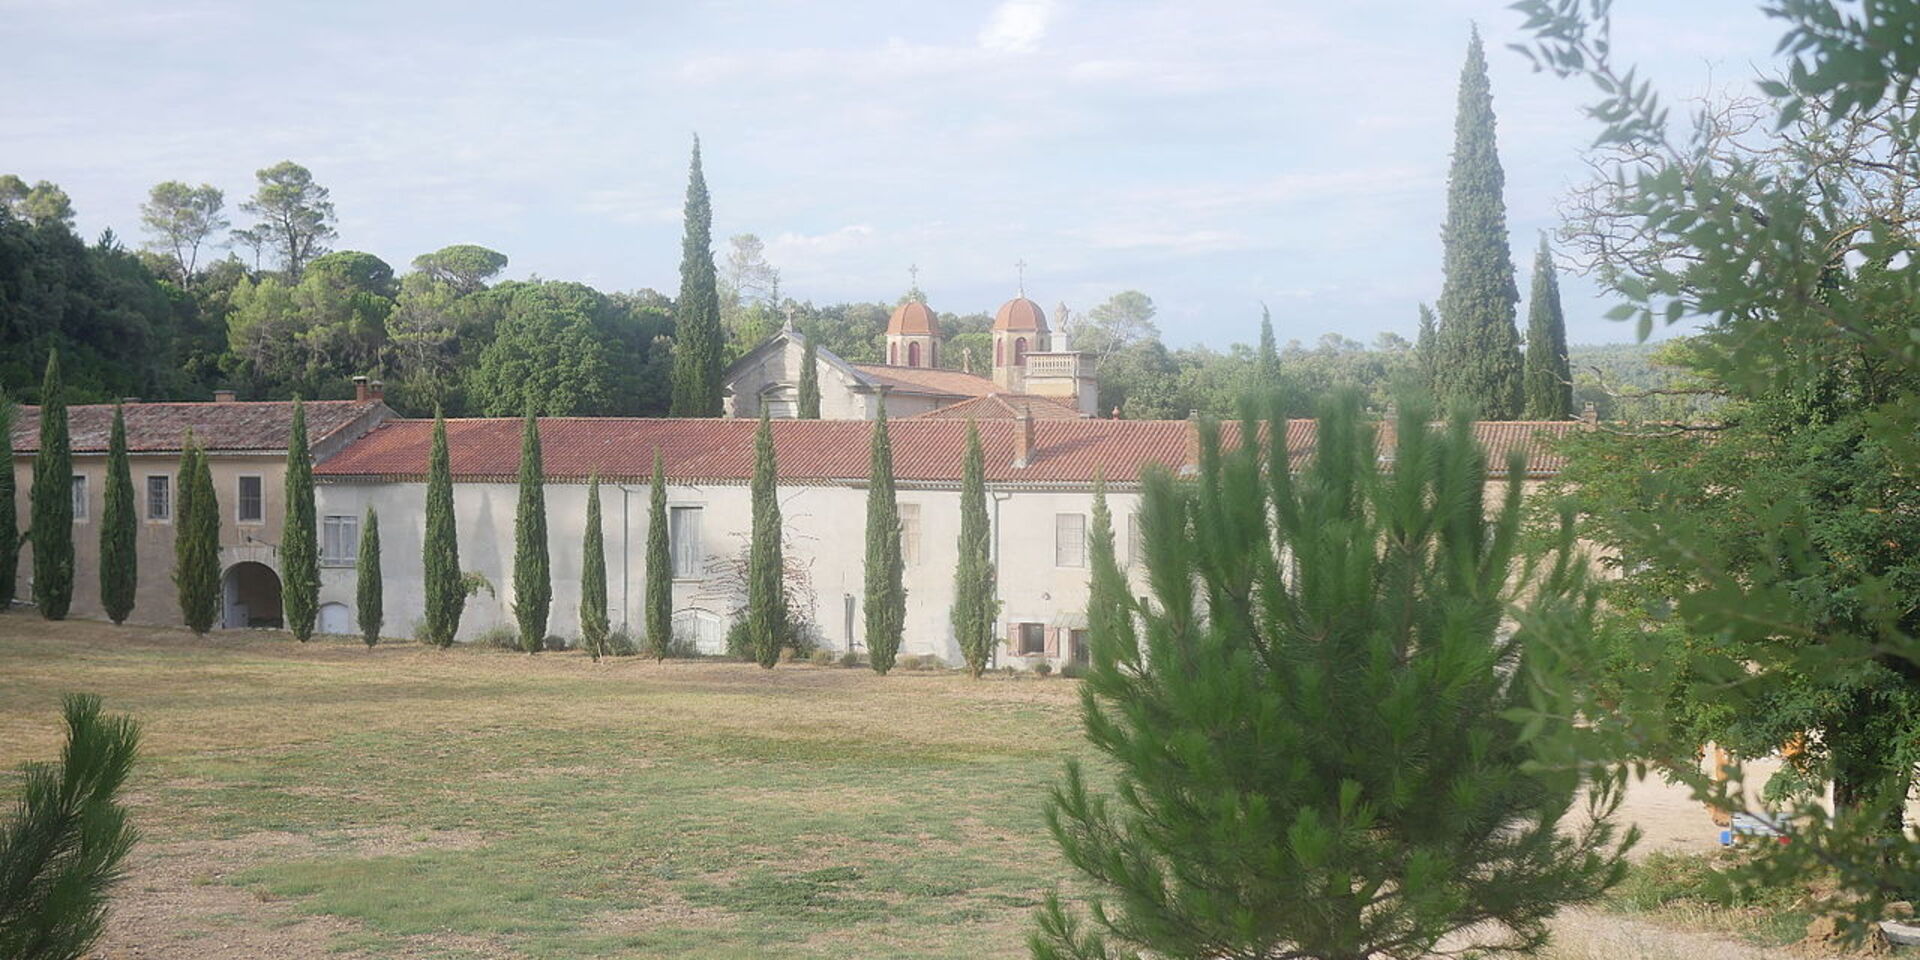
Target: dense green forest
167, 320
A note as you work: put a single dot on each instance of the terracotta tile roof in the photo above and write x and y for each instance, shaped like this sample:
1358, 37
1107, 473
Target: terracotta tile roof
1002, 406
235, 427
821, 451
913, 318
927, 380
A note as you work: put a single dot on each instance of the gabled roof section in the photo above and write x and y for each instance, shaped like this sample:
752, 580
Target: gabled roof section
926, 381
230, 427
779, 341
1002, 406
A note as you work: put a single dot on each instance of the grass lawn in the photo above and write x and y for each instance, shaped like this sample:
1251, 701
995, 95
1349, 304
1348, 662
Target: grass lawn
326, 800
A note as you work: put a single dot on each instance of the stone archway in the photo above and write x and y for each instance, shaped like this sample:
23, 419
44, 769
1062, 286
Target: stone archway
252, 592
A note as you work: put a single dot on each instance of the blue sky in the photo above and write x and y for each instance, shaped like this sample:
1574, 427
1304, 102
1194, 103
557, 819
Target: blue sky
1211, 154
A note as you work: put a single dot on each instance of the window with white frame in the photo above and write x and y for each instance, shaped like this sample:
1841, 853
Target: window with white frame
79, 497
1069, 539
910, 533
249, 505
159, 497
339, 540
683, 539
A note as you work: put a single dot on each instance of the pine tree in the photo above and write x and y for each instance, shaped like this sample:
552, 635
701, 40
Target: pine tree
698, 341
594, 627
659, 598
886, 599
196, 539
1479, 356
532, 577
119, 564
1370, 790
299, 541
975, 607
766, 567
52, 523
370, 591
1426, 352
61, 850
1549, 377
445, 593
9, 522
810, 382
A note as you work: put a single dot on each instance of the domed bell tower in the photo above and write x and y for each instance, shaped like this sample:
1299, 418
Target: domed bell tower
913, 336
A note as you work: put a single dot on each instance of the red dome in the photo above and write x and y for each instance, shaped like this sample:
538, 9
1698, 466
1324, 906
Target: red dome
1020, 314
913, 319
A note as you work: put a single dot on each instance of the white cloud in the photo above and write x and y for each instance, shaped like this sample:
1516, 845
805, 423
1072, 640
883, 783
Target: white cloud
1017, 26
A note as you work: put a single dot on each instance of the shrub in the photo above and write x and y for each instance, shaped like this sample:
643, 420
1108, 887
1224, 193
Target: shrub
620, 643
849, 659
61, 850
555, 644
683, 648
1042, 669
1073, 671
822, 657
498, 636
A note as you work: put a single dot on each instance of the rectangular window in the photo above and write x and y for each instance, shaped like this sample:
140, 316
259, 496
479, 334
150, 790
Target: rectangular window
1136, 543
79, 497
159, 497
1082, 652
250, 507
339, 540
1033, 639
683, 538
910, 533
1069, 539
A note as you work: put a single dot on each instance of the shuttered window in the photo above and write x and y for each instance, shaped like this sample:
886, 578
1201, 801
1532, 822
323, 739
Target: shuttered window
683, 538
1069, 539
1033, 640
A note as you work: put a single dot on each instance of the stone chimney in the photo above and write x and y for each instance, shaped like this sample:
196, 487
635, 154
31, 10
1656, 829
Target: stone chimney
378, 389
1023, 438
1590, 417
361, 391
224, 396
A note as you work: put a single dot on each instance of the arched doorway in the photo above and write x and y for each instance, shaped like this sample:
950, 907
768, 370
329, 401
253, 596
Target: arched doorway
252, 593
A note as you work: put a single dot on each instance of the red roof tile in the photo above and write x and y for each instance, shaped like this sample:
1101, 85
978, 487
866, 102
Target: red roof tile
913, 318
1002, 406
236, 427
817, 451
928, 380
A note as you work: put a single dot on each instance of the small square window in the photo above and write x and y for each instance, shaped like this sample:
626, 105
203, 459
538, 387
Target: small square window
159, 497
250, 507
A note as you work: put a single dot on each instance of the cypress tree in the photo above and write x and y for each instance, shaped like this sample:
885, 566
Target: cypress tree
1479, 357
445, 595
532, 577
593, 579
886, 599
975, 608
1316, 746
766, 587
1109, 604
196, 539
1549, 376
659, 600
299, 542
52, 523
9, 523
119, 566
370, 591
1269, 352
698, 342
52, 502
809, 382
1426, 352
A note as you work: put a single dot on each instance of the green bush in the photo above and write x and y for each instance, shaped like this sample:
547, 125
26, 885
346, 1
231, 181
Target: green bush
555, 644
1042, 669
822, 657
683, 647
620, 643
499, 636
849, 659
1073, 671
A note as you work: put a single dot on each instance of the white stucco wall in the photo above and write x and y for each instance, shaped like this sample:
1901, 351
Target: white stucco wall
781, 365
825, 535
